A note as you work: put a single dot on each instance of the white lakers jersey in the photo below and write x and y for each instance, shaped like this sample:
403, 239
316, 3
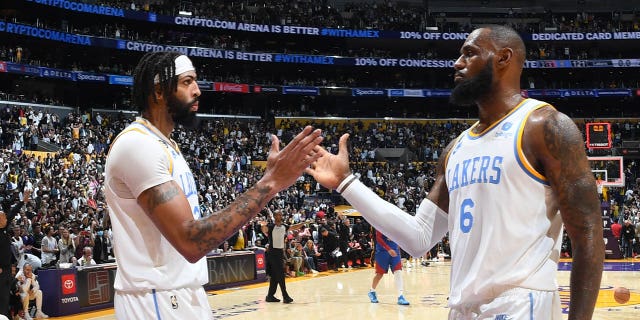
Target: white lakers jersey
140, 158
504, 228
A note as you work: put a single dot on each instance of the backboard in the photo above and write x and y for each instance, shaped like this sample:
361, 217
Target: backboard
608, 171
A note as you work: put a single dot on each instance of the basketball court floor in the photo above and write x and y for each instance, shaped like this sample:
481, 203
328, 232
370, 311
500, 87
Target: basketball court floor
343, 295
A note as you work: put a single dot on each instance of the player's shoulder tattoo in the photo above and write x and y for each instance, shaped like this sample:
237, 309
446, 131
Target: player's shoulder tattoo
160, 194
561, 136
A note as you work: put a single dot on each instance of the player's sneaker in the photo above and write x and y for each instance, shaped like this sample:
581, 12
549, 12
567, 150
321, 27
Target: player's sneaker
402, 301
373, 297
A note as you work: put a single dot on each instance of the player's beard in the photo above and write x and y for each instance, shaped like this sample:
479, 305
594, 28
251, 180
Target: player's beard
181, 111
468, 91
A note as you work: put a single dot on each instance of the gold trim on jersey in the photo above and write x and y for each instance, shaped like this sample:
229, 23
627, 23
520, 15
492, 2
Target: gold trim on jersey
475, 135
446, 156
139, 130
157, 132
520, 153
125, 131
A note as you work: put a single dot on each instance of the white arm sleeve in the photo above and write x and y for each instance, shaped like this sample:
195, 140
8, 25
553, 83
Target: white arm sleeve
414, 234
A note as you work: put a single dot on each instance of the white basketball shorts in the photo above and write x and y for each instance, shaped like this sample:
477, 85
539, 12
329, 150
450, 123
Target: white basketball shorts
185, 303
516, 304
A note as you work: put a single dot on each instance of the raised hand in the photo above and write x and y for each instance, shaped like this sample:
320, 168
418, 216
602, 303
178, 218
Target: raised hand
330, 169
26, 195
286, 165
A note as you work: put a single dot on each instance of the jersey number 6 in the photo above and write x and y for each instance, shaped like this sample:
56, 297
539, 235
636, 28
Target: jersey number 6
466, 218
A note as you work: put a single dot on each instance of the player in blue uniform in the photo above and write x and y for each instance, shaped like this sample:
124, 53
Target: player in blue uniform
387, 257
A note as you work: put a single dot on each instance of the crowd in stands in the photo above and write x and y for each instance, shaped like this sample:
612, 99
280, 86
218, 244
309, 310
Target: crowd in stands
220, 152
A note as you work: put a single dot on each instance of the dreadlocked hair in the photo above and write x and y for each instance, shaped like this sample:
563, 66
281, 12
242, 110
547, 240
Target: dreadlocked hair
152, 64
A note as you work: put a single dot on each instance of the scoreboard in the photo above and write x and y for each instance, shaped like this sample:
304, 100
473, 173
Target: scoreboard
598, 135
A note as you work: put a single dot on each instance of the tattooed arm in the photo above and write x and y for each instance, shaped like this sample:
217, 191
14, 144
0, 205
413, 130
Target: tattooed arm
168, 208
556, 145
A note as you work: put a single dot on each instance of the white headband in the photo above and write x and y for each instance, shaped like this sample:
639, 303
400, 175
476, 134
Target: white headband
182, 64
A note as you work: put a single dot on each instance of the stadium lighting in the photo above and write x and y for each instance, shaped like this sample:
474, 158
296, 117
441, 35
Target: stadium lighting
185, 13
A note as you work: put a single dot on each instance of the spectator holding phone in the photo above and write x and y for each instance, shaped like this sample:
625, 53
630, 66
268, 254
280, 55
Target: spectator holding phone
84, 239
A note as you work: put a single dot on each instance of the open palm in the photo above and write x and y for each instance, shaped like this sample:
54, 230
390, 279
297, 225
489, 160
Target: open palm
330, 169
286, 165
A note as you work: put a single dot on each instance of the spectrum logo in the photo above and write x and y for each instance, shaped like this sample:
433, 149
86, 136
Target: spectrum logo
369, 92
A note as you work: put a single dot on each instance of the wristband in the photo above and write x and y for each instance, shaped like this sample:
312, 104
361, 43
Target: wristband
345, 183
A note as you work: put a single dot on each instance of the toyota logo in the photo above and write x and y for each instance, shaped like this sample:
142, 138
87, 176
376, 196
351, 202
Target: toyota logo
68, 284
